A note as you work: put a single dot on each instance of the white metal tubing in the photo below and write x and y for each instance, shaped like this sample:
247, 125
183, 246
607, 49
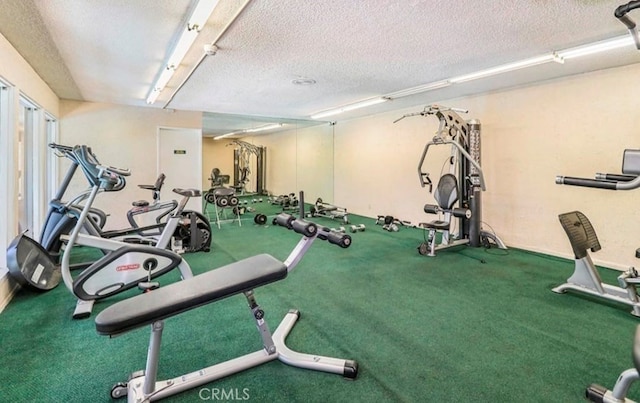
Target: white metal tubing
301, 360
65, 270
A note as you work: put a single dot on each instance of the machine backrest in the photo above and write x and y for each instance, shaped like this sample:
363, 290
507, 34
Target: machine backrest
580, 232
636, 349
217, 179
446, 193
159, 182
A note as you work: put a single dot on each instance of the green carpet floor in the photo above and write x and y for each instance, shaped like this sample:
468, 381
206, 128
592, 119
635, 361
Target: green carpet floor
469, 325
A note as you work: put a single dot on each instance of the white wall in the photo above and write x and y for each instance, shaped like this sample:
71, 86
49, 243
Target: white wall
575, 126
125, 137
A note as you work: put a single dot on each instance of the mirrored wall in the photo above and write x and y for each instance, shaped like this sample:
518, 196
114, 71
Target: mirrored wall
278, 156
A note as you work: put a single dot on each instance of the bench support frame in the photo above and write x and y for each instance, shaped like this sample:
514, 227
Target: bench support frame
144, 387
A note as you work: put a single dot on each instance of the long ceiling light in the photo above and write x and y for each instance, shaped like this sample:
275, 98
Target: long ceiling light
350, 107
534, 61
596, 47
198, 19
558, 57
252, 130
419, 89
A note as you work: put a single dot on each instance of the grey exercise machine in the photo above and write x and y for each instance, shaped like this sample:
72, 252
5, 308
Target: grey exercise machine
124, 265
618, 394
585, 277
458, 192
243, 277
583, 238
242, 164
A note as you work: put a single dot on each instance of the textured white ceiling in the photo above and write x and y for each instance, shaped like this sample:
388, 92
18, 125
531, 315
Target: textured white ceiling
111, 50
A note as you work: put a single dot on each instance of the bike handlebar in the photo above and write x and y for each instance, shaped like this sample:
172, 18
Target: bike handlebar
624, 184
585, 182
621, 15
622, 10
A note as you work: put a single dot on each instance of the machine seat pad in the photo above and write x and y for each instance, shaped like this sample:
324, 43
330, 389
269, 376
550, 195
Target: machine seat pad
437, 225
140, 203
182, 296
187, 192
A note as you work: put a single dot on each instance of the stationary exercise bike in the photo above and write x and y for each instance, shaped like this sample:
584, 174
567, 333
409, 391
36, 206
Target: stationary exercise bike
62, 217
124, 265
585, 277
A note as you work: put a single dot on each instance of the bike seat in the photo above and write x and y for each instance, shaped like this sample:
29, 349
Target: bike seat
188, 192
140, 203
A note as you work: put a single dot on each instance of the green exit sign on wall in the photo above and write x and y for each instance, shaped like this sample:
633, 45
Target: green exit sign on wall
179, 151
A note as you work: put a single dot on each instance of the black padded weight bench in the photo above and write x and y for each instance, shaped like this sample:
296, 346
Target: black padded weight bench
239, 277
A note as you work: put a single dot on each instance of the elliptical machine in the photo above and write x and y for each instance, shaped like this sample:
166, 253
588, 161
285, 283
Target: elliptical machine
62, 217
458, 192
124, 265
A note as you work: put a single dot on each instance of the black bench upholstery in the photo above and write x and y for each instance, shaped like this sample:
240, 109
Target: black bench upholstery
182, 296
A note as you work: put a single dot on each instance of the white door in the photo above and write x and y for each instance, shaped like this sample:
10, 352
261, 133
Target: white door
180, 159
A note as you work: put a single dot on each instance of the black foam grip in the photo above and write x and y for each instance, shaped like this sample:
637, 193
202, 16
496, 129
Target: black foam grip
589, 183
431, 208
342, 240
284, 220
305, 228
618, 177
625, 8
460, 212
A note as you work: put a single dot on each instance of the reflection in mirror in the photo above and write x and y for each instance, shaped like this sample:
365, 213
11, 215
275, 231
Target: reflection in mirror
268, 155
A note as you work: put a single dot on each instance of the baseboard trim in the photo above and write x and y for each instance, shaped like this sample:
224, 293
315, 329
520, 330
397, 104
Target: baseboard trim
8, 289
568, 256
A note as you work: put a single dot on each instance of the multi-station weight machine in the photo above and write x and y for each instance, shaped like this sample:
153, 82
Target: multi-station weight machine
458, 192
242, 166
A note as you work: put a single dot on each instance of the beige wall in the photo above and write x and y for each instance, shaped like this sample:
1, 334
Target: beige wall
121, 136
575, 126
216, 154
300, 159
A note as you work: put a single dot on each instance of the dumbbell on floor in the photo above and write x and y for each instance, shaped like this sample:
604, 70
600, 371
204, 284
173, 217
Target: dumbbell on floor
340, 230
260, 219
358, 228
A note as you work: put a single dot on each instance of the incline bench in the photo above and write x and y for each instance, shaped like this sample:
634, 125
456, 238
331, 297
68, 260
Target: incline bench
239, 277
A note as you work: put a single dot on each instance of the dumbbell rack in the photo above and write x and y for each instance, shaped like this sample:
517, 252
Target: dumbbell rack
221, 211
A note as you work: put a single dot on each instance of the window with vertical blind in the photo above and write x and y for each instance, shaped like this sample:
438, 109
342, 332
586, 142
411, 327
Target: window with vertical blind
26, 164
51, 163
5, 160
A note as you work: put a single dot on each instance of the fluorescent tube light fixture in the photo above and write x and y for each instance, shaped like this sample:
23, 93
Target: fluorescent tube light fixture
198, 19
597, 47
534, 61
252, 130
557, 57
419, 89
350, 107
